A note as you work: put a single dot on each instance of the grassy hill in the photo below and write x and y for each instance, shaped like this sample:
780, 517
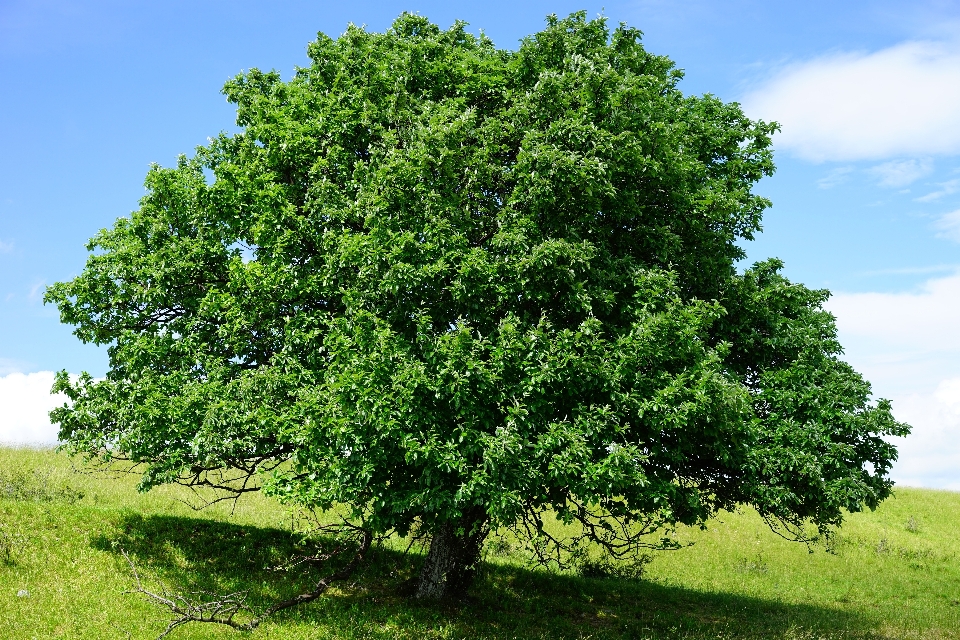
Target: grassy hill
894, 573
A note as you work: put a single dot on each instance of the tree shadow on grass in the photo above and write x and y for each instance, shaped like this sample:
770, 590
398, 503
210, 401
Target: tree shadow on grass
198, 555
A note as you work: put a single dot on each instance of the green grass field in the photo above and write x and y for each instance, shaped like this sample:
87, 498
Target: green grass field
894, 573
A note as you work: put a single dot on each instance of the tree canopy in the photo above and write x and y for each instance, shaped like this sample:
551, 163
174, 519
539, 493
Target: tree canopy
457, 288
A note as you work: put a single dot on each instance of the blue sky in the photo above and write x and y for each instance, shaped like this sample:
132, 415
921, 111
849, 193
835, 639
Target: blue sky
866, 196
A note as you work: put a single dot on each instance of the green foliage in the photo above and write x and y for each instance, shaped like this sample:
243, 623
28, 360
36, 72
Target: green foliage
431, 277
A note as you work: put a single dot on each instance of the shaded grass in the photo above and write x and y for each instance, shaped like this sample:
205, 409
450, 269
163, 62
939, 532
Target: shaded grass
891, 574
510, 601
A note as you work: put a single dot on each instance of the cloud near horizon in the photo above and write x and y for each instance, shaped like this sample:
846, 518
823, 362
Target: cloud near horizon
25, 400
930, 457
908, 346
903, 101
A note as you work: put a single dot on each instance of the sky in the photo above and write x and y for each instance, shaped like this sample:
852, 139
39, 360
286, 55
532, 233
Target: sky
866, 197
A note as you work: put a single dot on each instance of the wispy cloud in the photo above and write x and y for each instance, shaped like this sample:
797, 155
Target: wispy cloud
835, 177
900, 173
5, 247
948, 225
36, 291
8, 366
901, 101
946, 188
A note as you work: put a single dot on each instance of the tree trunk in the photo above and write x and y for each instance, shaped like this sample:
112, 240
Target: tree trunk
451, 563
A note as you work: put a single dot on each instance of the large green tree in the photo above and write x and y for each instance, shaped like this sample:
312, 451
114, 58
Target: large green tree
456, 288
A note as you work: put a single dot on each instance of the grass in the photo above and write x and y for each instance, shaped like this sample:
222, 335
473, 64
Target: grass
890, 574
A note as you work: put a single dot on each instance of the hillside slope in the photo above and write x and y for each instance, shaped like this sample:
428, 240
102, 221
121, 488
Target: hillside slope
894, 573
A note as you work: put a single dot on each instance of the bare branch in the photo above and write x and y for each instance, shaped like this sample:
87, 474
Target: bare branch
224, 609
620, 534
221, 610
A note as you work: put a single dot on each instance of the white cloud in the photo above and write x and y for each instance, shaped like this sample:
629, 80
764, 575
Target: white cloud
25, 400
948, 187
908, 345
901, 173
900, 101
923, 320
6, 247
930, 456
949, 225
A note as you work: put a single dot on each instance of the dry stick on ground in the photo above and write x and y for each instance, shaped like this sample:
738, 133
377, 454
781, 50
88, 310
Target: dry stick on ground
224, 608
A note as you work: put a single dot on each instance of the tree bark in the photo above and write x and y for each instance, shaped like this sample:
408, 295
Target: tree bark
451, 563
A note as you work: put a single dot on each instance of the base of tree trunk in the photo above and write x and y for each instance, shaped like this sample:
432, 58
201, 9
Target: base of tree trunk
451, 563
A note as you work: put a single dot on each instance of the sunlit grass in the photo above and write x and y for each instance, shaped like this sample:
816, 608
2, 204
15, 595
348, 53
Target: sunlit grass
894, 573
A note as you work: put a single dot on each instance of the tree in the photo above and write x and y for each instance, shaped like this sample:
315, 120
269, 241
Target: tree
457, 288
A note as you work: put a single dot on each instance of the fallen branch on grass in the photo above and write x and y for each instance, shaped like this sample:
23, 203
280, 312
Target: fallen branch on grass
223, 609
